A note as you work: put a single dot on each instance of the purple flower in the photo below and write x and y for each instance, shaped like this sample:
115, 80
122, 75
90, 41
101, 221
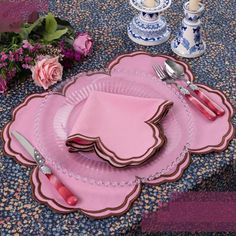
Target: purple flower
3, 56
3, 85
11, 74
16, 57
36, 47
77, 56
83, 43
28, 59
62, 45
26, 66
41, 57
21, 58
3, 65
11, 56
19, 51
69, 53
27, 45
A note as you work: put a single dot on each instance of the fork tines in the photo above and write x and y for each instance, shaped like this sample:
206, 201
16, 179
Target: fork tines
159, 71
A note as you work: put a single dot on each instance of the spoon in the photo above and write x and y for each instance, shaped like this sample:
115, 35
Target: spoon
176, 72
207, 112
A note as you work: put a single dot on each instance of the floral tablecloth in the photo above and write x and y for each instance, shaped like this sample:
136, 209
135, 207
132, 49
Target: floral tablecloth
21, 214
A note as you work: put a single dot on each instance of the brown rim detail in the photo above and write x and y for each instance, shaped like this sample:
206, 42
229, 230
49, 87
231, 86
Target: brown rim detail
8, 125
39, 188
97, 152
217, 148
36, 170
117, 60
110, 66
187, 156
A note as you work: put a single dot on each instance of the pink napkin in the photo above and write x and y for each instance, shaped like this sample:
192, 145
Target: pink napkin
123, 130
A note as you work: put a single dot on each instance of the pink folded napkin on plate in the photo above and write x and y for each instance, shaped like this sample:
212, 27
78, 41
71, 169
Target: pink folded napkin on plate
123, 130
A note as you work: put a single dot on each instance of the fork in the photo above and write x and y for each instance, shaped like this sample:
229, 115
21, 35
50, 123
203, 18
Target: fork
209, 114
176, 72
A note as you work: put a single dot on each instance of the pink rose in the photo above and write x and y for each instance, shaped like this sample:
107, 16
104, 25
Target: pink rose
47, 71
83, 44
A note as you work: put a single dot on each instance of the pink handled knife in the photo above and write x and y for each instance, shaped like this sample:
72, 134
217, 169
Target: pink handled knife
66, 194
208, 101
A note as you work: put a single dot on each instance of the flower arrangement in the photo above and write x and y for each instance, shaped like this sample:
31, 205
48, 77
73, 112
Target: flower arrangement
41, 49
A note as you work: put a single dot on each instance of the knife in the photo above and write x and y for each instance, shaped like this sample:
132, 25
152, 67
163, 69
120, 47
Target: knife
65, 193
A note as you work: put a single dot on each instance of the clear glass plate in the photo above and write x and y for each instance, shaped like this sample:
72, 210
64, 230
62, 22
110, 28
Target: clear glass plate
57, 114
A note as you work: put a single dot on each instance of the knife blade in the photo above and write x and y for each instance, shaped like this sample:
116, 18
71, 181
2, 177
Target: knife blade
65, 193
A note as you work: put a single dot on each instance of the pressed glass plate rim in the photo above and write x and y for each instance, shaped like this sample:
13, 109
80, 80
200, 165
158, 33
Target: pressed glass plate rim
90, 180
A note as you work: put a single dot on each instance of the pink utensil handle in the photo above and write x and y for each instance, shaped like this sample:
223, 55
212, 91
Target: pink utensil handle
211, 104
209, 114
67, 195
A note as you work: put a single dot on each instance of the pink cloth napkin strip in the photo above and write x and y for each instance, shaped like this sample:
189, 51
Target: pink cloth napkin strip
123, 130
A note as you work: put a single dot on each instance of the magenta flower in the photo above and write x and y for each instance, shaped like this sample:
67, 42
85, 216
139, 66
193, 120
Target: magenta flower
3, 85
16, 57
62, 45
3, 65
40, 57
11, 56
77, 56
36, 47
27, 45
69, 53
3, 56
19, 51
11, 74
26, 66
28, 59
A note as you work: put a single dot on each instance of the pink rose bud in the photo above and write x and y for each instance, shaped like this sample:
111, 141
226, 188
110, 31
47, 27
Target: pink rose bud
83, 44
47, 72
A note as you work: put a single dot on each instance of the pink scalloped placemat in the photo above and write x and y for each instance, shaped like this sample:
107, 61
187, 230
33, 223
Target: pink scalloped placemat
115, 200
204, 140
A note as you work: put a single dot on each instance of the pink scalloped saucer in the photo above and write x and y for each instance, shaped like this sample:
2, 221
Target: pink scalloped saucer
102, 198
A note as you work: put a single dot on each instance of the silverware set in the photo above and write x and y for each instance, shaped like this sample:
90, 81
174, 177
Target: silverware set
173, 72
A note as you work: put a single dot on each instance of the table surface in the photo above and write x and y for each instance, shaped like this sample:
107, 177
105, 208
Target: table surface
106, 20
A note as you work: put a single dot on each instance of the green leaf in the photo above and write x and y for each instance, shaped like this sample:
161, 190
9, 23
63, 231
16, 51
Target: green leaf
51, 24
28, 28
62, 22
56, 35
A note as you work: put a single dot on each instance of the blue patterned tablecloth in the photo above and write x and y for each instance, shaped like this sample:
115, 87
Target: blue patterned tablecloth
106, 20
